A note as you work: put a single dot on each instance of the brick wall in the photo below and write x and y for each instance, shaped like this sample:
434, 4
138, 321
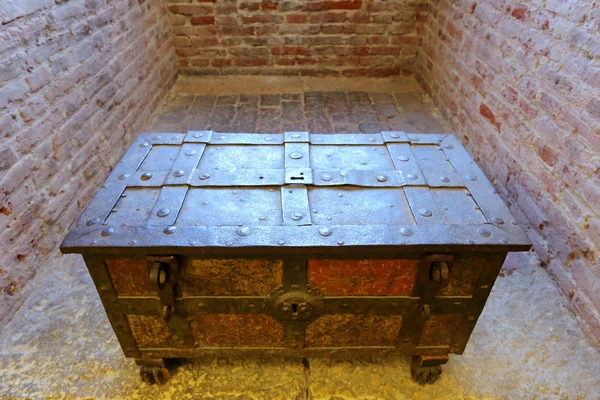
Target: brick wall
520, 82
305, 37
78, 79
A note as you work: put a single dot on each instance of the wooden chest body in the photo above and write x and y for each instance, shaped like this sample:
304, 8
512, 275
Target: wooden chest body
214, 244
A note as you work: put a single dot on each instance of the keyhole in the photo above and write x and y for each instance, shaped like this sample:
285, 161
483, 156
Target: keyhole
294, 308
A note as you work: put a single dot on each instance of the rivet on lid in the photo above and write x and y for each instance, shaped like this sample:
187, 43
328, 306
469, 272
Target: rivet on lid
406, 231
382, 178
297, 216
498, 220
412, 176
296, 155
326, 177
92, 221
444, 179
123, 176
178, 173
281, 242
198, 135
204, 176
169, 230
296, 135
145, 144
163, 212
484, 232
425, 212
449, 146
394, 135
471, 177
146, 176
325, 231
268, 138
132, 242
403, 158
190, 152
107, 232
243, 231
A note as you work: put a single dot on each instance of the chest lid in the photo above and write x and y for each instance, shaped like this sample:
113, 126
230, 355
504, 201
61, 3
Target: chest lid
237, 191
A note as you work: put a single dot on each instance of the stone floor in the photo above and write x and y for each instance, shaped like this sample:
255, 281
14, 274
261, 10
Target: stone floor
526, 344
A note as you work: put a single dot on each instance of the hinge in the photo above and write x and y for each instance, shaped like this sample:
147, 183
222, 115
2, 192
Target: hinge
164, 276
434, 275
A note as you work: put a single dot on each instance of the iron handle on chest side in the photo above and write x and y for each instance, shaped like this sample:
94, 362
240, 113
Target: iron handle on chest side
433, 277
164, 275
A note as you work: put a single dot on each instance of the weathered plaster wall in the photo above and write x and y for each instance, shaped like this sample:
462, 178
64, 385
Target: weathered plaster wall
78, 79
519, 81
304, 37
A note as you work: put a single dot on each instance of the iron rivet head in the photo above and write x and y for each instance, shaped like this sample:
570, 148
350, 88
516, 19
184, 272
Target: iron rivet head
296, 135
198, 135
326, 177
163, 212
243, 231
93, 242
382, 178
325, 231
204, 176
107, 232
92, 221
390, 205
297, 216
123, 176
190, 152
296, 155
471, 242
406, 231
178, 173
340, 242
394, 135
414, 139
371, 139
484, 232
193, 243
363, 163
515, 223
425, 212
412, 176
403, 158
155, 138
449, 146
444, 179
169, 230
268, 138
281, 242
262, 218
145, 144
146, 176
498, 220
221, 137
229, 243
504, 241
174, 137
471, 178
132, 242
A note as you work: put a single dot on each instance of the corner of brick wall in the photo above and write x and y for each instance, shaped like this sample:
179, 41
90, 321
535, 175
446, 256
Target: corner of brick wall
78, 80
304, 37
520, 84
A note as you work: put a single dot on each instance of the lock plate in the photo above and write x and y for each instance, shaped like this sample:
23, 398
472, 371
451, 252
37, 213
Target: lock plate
295, 303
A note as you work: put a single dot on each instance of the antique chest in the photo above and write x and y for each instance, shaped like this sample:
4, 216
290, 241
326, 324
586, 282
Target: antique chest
295, 244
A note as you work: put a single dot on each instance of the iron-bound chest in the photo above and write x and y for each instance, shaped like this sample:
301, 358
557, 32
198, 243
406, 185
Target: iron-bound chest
295, 244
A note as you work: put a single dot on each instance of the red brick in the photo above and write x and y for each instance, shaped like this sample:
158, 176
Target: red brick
343, 5
520, 11
489, 115
297, 18
207, 20
190, 9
